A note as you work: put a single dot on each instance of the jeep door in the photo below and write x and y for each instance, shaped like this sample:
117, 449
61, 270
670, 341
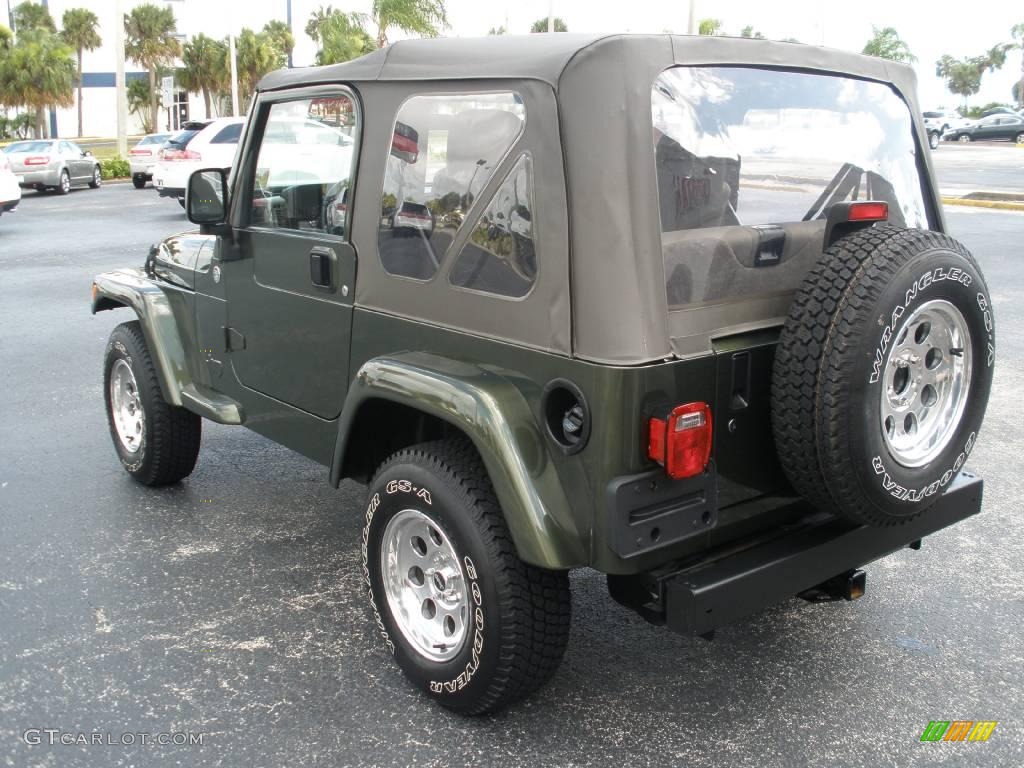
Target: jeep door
290, 284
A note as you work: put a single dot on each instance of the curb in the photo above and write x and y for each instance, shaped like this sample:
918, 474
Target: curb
1002, 205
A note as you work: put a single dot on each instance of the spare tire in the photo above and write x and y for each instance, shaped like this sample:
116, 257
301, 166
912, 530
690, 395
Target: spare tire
882, 373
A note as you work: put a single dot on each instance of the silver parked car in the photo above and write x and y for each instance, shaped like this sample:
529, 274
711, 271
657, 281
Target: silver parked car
53, 164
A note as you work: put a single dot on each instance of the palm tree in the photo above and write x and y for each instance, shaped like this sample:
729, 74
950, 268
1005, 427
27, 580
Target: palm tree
137, 94
255, 56
420, 17
280, 35
149, 40
38, 72
710, 27
80, 33
342, 36
1017, 30
29, 16
204, 71
541, 25
886, 43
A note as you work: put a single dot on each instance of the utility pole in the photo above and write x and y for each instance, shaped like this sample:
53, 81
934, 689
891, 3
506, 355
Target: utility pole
120, 91
290, 63
551, 16
234, 76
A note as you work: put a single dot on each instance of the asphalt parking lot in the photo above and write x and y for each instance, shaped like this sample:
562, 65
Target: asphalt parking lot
996, 166
231, 604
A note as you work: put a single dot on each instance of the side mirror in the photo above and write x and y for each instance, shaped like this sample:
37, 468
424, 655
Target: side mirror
86, 153
206, 198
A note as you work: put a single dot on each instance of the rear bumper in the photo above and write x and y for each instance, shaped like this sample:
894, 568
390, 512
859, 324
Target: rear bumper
746, 576
46, 178
142, 169
171, 191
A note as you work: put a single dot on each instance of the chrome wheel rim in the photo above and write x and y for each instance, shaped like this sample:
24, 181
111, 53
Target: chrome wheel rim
927, 378
126, 407
424, 584
97, 177
965, 139
65, 182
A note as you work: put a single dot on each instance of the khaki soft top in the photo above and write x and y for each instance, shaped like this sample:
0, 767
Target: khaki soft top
602, 89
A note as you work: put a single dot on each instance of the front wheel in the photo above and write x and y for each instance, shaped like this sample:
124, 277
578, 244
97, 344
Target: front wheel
1020, 138
933, 140
157, 442
97, 178
468, 622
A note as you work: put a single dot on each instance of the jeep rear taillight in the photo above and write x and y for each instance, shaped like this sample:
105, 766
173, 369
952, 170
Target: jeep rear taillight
681, 442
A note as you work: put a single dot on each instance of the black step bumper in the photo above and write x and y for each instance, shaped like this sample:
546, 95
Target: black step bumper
747, 576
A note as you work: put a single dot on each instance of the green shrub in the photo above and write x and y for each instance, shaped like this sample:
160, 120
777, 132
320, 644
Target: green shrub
115, 168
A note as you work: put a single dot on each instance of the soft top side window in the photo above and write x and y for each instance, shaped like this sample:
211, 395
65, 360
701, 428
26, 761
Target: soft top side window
304, 165
444, 150
500, 255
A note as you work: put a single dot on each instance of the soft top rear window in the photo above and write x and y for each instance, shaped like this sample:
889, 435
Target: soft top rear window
750, 160
736, 145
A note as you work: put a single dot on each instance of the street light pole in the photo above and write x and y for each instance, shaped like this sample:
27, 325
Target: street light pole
234, 76
290, 63
120, 92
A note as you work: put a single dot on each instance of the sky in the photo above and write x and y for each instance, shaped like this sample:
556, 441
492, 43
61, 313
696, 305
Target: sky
931, 29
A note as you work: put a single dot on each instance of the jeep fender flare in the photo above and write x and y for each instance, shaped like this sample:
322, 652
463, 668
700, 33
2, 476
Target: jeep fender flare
154, 309
490, 410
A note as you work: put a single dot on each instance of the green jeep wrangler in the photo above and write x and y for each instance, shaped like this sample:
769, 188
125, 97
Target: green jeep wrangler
677, 309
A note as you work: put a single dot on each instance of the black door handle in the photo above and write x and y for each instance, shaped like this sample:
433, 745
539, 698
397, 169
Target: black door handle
320, 260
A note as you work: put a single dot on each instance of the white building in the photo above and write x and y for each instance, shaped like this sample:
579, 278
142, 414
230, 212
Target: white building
214, 18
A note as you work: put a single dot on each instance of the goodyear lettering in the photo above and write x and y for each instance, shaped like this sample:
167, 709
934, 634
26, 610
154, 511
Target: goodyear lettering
937, 275
914, 495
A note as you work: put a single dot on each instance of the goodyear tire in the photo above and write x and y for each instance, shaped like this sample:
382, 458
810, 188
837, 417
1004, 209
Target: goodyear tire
882, 373
157, 443
468, 622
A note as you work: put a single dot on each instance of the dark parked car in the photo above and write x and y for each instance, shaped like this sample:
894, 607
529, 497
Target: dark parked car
620, 348
998, 127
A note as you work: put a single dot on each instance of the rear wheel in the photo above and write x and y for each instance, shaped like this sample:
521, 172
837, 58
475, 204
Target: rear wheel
157, 442
933, 140
1020, 138
882, 373
964, 138
469, 623
97, 178
139, 182
64, 185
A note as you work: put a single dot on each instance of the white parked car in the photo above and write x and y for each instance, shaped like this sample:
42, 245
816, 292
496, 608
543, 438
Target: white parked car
10, 190
198, 145
143, 156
